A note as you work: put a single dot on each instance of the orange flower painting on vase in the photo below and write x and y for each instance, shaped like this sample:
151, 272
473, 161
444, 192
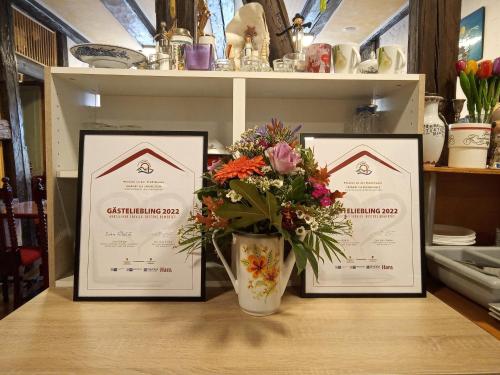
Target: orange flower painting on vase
262, 263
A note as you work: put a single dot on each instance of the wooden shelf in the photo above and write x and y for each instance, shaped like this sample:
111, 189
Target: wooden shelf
67, 174
129, 82
430, 168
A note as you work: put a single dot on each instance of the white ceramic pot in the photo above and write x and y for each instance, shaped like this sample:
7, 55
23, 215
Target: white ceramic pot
261, 271
468, 144
434, 130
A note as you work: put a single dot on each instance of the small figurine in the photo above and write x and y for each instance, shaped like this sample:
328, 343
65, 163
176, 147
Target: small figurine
250, 33
297, 28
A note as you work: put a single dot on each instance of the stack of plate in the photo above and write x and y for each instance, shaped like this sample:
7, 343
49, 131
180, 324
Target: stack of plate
494, 310
453, 236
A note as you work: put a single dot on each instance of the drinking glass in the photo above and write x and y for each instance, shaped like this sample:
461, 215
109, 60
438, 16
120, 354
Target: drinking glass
281, 65
250, 64
297, 60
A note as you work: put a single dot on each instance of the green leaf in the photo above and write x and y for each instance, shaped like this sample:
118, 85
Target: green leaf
250, 194
300, 255
464, 82
273, 211
241, 216
298, 189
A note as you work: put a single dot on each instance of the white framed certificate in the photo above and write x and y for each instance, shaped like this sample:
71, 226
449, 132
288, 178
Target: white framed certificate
135, 190
383, 181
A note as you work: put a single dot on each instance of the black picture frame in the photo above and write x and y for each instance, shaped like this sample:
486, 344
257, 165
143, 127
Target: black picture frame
83, 134
422, 293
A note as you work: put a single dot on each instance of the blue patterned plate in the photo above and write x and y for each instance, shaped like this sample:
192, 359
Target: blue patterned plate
107, 56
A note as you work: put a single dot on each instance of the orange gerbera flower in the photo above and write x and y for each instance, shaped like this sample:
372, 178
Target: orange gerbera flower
321, 177
242, 168
256, 265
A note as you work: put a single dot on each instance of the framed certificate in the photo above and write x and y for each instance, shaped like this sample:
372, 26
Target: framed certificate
135, 190
382, 178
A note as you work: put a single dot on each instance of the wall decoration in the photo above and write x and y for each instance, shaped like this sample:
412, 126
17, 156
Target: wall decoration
470, 43
135, 190
380, 177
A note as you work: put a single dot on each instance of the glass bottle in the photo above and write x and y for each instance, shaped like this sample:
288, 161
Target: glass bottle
365, 119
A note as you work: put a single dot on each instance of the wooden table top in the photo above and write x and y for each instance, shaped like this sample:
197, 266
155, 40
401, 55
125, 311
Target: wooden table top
53, 335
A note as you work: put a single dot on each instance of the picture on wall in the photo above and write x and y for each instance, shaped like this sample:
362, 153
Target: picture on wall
470, 43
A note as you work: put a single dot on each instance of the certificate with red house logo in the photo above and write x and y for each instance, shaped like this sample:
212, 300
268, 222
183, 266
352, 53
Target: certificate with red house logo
136, 190
382, 178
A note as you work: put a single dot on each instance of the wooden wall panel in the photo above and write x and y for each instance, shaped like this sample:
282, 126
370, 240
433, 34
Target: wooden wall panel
33, 40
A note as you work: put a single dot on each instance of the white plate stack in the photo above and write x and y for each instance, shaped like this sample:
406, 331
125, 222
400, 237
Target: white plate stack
494, 310
453, 236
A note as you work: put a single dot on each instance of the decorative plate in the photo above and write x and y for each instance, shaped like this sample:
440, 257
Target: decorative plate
107, 56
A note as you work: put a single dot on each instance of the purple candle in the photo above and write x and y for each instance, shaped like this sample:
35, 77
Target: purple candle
199, 57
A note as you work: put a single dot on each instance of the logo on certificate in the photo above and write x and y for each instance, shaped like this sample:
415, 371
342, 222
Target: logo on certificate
363, 168
144, 167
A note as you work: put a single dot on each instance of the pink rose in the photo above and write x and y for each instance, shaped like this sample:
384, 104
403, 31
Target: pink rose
283, 158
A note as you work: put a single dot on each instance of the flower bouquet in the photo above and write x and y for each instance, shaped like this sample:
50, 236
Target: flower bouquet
469, 141
480, 83
272, 185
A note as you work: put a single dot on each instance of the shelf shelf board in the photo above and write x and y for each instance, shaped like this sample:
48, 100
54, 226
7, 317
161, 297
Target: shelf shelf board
67, 174
430, 168
130, 82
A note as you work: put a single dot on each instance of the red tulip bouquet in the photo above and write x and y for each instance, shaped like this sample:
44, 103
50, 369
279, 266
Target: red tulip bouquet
271, 184
480, 83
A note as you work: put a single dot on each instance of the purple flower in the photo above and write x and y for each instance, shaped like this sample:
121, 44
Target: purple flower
283, 158
320, 191
325, 201
262, 131
496, 67
294, 131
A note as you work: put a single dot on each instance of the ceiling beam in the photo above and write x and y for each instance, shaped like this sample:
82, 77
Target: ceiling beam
311, 13
402, 13
48, 19
131, 17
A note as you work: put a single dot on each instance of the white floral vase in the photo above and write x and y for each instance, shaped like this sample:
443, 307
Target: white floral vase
261, 272
434, 130
468, 144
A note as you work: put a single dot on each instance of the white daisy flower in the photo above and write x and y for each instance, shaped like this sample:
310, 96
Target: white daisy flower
300, 214
300, 231
308, 218
234, 196
314, 226
277, 183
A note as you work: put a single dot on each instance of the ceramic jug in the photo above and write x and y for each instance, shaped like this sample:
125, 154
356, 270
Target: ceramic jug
261, 272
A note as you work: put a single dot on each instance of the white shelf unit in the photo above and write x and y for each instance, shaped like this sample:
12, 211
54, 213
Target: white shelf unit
222, 103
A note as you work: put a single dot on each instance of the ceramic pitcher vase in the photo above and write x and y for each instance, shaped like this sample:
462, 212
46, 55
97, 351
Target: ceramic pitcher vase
261, 272
434, 130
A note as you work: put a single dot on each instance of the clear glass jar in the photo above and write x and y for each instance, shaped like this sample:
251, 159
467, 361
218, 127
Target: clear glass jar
250, 64
224, 65
365, 120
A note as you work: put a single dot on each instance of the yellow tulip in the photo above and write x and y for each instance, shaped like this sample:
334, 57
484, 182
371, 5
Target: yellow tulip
471, 67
